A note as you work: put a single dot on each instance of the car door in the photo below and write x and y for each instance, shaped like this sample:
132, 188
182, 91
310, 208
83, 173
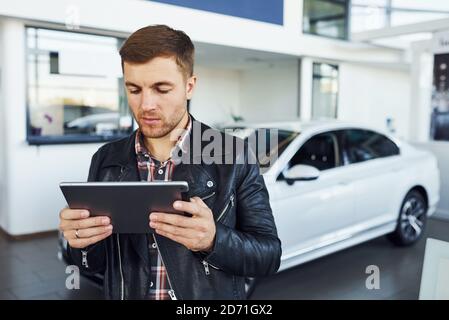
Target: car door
313, 213
374, 164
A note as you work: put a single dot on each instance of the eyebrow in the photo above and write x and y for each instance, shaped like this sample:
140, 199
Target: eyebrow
157, 84
128, 83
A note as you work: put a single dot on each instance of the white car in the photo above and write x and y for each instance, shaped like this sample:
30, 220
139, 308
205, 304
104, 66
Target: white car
335, 185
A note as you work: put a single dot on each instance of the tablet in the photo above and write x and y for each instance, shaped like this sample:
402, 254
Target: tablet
128, 204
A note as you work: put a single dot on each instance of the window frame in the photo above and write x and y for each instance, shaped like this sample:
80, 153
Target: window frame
346, 161
347, 17
319, 76
338, 153
33, 140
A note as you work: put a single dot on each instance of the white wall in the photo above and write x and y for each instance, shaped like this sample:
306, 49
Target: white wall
370, 95
257, 94
270, 92
217, 95
33, 173
125, 16
3, 177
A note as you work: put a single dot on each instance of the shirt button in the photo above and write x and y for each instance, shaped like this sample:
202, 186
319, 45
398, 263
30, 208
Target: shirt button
151, 284
209, 184
160, 171
154, 246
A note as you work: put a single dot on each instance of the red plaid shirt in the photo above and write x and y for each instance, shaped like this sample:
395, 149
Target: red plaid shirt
151, 169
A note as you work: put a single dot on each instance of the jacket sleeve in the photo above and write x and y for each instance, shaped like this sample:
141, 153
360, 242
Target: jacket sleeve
253, 247
91, 259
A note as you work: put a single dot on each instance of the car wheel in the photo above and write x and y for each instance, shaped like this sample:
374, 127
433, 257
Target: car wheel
250, 285
412, 220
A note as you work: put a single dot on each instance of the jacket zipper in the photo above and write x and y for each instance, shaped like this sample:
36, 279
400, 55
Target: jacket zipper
231, 202
208, 196
205, 263
206, 266
171, 292
122, 280
122, 283
84, 259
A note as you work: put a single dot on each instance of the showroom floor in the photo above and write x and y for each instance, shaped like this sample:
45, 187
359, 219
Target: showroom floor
30, 270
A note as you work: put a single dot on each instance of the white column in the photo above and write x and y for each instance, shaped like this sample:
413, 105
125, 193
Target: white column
3, 171
305, 83
13, 104
421, 93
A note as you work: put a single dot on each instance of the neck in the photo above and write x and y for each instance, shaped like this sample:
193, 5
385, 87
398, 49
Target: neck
160, 148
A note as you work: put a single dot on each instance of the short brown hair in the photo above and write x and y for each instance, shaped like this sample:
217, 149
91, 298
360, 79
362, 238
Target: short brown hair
159, 41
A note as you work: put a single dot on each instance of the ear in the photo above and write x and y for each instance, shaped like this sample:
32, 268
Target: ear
190, 86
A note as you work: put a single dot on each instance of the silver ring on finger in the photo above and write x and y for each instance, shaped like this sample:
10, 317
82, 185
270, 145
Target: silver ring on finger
77, 234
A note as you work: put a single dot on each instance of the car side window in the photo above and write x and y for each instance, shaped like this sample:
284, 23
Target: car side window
320, 151
363, 145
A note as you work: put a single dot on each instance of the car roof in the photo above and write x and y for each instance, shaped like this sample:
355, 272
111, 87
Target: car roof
302, 126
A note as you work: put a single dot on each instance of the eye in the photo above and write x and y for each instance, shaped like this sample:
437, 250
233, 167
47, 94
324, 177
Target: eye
134, 91
162, 91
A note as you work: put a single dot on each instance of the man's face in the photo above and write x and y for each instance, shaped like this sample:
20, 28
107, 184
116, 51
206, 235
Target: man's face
157, 94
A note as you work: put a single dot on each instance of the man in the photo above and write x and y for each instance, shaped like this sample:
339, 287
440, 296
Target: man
231, 232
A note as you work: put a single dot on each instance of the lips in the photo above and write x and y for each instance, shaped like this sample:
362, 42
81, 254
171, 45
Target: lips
150, 121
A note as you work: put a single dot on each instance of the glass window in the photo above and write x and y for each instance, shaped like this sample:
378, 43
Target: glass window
368, 14
376, 14
75, 88
324, 91
321, 152
261, 141
327, 18
362, 145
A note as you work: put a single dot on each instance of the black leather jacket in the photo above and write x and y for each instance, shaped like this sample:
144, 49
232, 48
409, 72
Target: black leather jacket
246, 242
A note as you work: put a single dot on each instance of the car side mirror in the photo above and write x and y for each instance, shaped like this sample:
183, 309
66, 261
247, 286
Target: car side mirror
301, 172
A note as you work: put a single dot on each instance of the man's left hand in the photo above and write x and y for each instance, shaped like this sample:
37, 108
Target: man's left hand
196, 233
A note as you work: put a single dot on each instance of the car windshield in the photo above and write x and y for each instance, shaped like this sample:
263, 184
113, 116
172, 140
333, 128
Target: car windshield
267, 143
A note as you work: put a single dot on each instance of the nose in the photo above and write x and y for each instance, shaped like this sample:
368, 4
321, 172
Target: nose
149, 101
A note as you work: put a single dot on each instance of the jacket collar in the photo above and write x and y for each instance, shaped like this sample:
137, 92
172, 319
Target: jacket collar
124, 153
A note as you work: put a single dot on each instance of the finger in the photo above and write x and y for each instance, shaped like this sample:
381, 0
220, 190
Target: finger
70, 234
83, 223
91, 232
84, 242
190, 207
177, 231
174, 219
89, 222
73, 214
199, 202
184, 241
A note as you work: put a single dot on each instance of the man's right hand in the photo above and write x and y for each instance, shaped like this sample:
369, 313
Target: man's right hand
81, 231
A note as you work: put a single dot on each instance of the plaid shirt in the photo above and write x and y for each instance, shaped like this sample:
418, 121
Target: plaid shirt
151, 169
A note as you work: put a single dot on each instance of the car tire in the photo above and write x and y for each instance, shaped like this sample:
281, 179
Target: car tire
412, 220
250, 285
